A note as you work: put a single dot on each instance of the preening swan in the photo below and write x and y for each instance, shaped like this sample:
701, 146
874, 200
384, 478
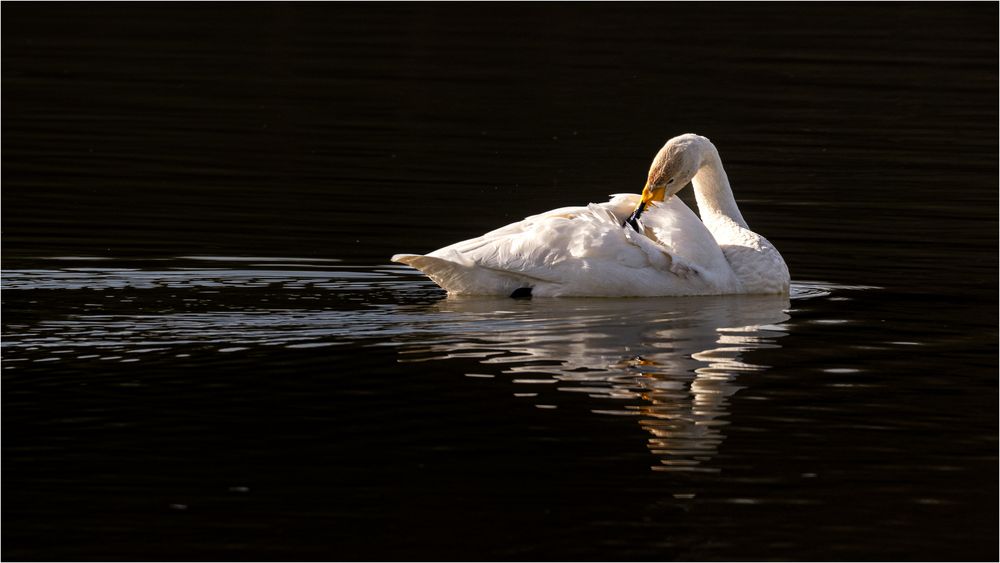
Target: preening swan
633, 245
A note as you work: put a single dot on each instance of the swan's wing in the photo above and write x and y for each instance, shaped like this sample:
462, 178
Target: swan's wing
545, 246
556, 249
584, 251
485, 265
745, 262
672, 225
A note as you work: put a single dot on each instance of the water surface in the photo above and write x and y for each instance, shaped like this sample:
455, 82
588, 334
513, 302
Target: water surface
206, 354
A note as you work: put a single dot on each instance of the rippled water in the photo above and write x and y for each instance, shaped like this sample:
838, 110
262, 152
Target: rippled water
194, 343
206, 354
673, 364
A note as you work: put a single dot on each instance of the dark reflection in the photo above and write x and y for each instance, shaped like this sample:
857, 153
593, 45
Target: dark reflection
673, 363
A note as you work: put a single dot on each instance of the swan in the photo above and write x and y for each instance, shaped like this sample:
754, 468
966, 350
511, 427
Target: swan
648, 245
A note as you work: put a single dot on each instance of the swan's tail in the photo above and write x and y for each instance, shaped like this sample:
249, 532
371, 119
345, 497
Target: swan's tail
460, 279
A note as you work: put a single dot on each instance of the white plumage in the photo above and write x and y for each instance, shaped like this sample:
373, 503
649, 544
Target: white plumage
585, 251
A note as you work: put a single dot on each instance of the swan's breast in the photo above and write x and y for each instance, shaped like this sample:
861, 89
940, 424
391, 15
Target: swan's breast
757, 264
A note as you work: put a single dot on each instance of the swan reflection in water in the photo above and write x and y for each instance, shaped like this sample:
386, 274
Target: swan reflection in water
673, 363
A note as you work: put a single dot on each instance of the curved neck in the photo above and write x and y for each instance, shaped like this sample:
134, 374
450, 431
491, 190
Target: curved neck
712, 191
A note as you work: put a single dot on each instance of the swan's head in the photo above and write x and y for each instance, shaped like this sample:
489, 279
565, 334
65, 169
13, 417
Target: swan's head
672, 169
674, 166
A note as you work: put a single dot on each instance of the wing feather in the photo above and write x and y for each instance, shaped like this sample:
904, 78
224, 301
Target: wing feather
581, 250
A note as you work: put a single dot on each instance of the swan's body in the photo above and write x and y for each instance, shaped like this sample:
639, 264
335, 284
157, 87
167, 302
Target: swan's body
585, 251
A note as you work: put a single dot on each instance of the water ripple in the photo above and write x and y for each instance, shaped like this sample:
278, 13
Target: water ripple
673, 364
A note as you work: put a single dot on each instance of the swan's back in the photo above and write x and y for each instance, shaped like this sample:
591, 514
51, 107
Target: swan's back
584, 251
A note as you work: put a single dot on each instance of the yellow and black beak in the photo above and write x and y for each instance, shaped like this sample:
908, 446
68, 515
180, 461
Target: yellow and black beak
648, 194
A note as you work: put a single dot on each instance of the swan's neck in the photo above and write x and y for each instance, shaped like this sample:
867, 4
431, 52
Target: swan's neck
716, 203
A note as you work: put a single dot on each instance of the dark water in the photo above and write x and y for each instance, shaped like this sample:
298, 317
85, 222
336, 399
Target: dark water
206, 354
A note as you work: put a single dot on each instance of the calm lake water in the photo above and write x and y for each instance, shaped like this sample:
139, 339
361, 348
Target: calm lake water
207, 354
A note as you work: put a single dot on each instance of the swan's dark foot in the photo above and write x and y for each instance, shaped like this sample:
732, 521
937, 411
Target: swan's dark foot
521, 293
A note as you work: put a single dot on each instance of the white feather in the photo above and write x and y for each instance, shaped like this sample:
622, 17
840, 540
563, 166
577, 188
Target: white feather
585, 251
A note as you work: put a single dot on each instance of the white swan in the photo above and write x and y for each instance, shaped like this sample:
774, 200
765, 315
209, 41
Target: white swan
586, 251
